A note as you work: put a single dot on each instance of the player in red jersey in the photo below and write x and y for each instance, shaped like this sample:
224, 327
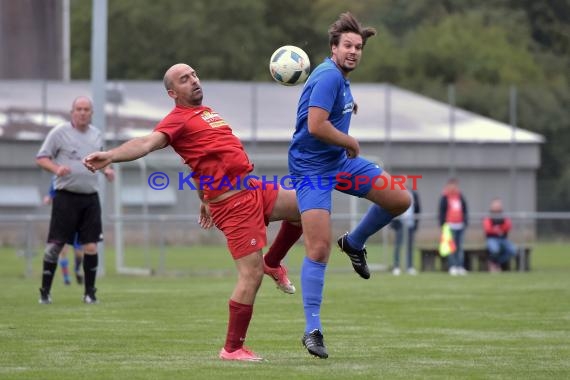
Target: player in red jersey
240, 210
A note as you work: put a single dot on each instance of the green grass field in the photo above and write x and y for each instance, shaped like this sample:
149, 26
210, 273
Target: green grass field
482, 326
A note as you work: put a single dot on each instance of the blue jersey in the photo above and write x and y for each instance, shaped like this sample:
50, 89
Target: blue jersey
51, 191
328, 89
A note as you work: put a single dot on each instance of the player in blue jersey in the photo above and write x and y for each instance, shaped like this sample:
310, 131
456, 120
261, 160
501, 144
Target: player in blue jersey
323, 153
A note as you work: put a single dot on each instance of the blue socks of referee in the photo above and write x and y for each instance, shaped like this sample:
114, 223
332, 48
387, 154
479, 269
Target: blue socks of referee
312, 284
374, 219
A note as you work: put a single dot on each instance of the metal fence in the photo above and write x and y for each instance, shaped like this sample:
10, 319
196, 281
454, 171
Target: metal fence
147, 240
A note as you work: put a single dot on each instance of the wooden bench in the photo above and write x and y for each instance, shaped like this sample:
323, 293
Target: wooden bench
475, 259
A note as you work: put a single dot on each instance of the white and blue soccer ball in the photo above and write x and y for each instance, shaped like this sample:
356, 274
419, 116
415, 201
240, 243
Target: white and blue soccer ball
289, 65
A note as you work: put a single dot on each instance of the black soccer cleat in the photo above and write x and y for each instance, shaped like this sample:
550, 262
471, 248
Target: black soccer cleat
356, 256
314, 343
45, 298
89, 297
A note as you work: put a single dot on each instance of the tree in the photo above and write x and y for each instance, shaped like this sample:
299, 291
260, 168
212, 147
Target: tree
423, 45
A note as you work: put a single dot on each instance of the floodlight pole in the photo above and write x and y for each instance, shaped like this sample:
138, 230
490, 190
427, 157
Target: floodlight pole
66, 42
98, 85
513, 164
451, 99
385, 158
254, 117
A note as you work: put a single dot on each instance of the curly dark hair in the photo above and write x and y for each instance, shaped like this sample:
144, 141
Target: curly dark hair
347, 23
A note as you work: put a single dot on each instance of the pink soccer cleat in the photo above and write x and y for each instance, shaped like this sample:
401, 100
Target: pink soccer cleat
243, 354
279, 275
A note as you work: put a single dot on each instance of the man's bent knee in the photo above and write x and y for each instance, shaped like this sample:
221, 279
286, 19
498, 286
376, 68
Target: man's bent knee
90, 248
401, 203
249, 282
319, 251
52, 251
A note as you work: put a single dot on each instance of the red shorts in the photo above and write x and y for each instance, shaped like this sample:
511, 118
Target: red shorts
243, 217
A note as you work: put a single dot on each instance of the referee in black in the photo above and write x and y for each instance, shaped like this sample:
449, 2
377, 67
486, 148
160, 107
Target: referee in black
75, 207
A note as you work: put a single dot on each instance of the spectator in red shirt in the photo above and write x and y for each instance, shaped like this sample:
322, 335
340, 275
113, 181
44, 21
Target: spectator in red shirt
497, 227
453, 211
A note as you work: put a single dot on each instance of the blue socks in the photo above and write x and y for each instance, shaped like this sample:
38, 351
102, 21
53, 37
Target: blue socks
313, 273
374, 219
64, 263
312, 284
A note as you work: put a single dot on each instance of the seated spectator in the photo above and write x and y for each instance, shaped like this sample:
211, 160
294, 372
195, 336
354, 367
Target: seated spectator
497, 227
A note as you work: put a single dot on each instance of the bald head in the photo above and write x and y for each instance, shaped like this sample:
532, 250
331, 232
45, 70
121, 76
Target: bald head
172, 73
83, 101
81, 112
496, 205
183, 85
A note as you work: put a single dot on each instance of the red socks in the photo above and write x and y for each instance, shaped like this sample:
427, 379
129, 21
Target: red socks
287, 236
240, 316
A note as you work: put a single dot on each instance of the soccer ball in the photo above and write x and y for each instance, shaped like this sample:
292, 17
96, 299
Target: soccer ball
289, 65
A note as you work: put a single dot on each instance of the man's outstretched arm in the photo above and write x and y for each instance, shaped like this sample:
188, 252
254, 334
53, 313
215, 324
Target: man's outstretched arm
129, 151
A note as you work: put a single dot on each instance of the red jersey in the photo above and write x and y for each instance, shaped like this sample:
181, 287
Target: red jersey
207, 145
454, 209
496, 226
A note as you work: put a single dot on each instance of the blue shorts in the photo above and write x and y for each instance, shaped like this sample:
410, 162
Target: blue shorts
355, 177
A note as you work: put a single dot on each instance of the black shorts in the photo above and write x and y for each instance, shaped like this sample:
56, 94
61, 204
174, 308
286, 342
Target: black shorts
73, 213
